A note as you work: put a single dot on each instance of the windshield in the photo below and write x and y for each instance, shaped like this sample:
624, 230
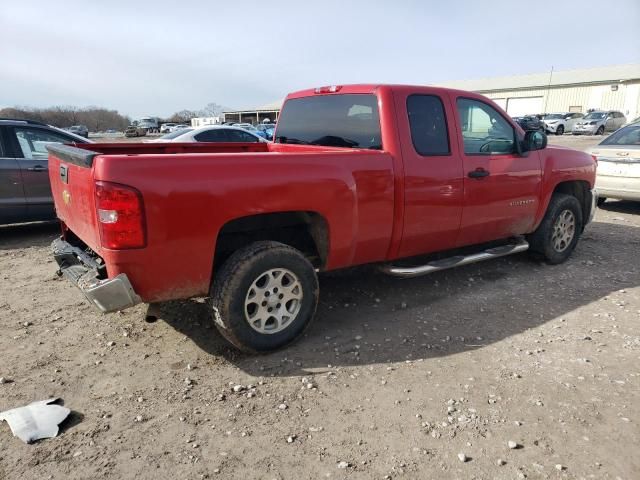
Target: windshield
595, 116
554, 116
176, 133
349, 121
629, 135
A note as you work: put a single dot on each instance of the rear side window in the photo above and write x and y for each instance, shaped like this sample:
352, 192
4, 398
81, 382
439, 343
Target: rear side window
428, 125
349, 120
217, 135
241, 137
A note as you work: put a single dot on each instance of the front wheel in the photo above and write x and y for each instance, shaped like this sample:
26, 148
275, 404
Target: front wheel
560, 130
558, 233
600, 130
264, 296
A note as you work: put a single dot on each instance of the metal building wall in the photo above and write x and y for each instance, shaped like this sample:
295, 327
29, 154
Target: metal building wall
626, 98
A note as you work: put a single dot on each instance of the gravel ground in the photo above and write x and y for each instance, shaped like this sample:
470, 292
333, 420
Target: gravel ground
395, 379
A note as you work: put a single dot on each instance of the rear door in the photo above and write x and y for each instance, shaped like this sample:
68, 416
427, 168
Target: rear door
12, 203
30, 144
501, 188
432, 172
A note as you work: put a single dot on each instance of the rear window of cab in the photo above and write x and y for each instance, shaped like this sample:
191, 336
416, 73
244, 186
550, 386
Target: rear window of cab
346, 120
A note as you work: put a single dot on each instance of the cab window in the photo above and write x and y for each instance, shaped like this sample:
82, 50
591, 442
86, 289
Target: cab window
484, 130
428, 125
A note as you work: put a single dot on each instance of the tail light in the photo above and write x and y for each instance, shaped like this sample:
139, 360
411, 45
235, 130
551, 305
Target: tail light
120, 216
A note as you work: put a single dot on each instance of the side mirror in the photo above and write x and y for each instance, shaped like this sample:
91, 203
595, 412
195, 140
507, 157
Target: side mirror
535, 140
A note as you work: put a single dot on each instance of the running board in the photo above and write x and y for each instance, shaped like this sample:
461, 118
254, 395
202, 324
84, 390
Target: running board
456, 261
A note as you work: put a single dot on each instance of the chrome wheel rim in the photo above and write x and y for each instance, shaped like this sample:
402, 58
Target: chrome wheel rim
273, 301
564, 229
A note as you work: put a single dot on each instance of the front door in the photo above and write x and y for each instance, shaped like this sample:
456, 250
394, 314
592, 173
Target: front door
32, 142
432, 172
501, 188
12, 204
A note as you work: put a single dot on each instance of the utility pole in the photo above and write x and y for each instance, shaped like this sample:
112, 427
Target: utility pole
546, 99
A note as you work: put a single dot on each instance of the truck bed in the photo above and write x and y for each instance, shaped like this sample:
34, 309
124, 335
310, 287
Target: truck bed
190, 191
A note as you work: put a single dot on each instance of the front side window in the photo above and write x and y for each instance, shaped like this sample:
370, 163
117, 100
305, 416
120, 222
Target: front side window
484, 130
33, 142
349, 120
428, 125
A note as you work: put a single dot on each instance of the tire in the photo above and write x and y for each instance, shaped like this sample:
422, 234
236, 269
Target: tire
551, 240
251, 273
600, 130
560, 130
601, 201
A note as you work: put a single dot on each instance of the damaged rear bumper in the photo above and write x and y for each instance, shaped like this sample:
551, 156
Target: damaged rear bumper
107, 294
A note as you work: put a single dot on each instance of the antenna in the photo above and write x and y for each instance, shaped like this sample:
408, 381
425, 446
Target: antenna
546, 99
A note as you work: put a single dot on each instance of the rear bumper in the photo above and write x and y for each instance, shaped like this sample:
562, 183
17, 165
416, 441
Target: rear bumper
108, 295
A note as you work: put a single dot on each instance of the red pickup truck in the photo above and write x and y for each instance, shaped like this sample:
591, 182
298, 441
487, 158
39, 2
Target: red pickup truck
416, 179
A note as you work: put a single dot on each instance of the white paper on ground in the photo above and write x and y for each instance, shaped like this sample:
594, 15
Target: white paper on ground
36, 420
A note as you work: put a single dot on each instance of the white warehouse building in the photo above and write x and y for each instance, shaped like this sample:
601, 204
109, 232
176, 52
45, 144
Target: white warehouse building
602, 88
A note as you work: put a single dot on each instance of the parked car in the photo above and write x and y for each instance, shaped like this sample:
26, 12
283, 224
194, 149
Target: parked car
25, 194
530, 123
135, 131
559, 123
357, 174
618, 174
170, 136
267, 130
81, 130
598, 122
210, 133
178, 126
166, 127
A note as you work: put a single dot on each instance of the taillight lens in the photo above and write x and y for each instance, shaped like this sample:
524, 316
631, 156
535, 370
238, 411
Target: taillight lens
120, 215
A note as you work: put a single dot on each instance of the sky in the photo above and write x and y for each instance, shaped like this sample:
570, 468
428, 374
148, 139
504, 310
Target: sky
152, 58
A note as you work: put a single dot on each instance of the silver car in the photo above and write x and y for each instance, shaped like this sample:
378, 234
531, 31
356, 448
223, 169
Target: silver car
599, 121
618, 173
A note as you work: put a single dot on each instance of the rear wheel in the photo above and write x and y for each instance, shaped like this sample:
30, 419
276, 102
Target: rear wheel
559, 231
600, 130
560, 130
264, 296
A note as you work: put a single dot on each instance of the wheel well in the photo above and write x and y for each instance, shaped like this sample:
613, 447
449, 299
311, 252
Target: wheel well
579, 189
305, 231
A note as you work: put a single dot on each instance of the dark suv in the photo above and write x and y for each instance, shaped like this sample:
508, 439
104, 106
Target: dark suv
530, 122
25, 193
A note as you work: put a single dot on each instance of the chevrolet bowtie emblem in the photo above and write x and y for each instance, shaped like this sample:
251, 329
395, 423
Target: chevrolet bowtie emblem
66, 197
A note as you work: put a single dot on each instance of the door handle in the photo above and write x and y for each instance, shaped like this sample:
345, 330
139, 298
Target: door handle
37, 168
478, 173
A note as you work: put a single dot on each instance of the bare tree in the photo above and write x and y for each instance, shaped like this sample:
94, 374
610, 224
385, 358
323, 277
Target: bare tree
95, 118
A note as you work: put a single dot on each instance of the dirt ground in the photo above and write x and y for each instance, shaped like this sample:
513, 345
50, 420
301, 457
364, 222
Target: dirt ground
395, 378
